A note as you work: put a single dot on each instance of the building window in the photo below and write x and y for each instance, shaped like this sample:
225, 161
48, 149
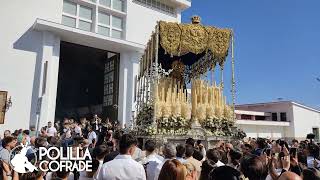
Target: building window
104, 24
112, 28
116, 22
69, 14
274, 116
116, 34
106, 3
99, 20
114, 4
315, 131
70, 8
69, 21
158, 5
117, 27
117, 5
85, 13
260, 118
246, 117
77, 16
283, 116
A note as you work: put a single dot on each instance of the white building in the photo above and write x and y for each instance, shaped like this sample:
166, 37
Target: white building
78, 56
282, 119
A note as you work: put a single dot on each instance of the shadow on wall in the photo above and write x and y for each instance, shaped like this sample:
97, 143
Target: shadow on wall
31, 41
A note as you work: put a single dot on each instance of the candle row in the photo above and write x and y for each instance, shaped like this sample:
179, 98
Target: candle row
171, 99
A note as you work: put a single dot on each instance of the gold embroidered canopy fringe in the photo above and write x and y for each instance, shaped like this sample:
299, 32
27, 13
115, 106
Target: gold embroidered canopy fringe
180, 39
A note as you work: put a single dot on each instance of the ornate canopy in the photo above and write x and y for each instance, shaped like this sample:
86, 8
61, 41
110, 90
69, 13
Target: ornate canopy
198, 47
177, 54
191, 42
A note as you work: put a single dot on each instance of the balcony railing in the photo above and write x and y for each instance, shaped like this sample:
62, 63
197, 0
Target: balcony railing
262, 122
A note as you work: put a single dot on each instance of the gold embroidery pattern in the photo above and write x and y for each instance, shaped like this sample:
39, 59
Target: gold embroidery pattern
170, 34
219, 42
179, 39
194, 39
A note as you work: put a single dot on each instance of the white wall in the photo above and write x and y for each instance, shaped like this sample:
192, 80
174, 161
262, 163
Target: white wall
48, 90
141, 21
305, 120
275, 107
24, 51
128, 70
21, 56
255, 131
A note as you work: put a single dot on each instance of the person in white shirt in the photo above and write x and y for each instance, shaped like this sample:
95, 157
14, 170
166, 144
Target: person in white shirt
201, 148
138, 154
96, 124
123, 166
212, 161
152, 160
51, 131
99, 153
181, 150
189, 158
77, 129
169, 152
90, 175
67, 130
92, 137
215, 156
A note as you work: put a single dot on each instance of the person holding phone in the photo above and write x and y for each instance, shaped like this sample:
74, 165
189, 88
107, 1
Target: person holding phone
294, 163
278, 164
312, 152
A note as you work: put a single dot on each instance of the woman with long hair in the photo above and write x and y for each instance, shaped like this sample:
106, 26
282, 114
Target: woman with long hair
173, 170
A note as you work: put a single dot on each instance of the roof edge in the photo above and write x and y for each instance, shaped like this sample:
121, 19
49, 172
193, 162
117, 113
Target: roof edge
282, 102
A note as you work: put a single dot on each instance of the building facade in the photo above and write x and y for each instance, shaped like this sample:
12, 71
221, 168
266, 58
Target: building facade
33, 55
283, 119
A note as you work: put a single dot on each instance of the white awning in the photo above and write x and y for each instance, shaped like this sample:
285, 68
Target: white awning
86, 38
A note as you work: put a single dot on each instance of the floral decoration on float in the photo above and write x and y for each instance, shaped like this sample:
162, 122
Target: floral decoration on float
171, 94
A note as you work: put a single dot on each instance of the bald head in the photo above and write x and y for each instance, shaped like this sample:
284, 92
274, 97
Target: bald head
289, 176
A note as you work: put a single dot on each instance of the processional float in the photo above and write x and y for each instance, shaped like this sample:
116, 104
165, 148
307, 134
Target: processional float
172, 97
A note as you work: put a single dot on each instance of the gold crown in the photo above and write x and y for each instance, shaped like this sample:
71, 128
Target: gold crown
196, 19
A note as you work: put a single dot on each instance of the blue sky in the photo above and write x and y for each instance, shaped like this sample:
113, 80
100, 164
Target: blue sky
277, 47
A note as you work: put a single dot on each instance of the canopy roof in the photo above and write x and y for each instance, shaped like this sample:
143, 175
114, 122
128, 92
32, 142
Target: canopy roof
200, 48
191, 42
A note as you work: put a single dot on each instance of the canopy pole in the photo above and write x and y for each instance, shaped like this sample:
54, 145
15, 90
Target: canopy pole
221, 77
147, 74
212, 76
137, 93
212, 70
156, 47
233, 79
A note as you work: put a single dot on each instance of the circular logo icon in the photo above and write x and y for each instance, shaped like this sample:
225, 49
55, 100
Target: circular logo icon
19, 159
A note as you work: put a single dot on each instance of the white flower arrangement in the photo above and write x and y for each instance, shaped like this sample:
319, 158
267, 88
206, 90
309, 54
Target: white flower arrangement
173, 125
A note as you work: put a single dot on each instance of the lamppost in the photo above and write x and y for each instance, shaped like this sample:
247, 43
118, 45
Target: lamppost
8, 104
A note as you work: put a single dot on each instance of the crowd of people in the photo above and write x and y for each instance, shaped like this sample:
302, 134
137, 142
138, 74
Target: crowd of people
118, 155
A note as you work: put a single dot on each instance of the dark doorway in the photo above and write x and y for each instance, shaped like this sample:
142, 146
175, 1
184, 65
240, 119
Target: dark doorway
81, 82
